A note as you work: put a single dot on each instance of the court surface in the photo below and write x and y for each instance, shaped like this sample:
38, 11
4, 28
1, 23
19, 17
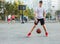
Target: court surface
16, 34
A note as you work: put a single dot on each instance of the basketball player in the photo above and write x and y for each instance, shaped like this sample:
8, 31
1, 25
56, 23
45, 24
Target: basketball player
39, 15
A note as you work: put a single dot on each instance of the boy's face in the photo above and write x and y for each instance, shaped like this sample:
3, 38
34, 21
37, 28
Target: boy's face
40, 4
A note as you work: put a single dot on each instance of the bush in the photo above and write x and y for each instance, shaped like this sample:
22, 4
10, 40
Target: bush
48, 15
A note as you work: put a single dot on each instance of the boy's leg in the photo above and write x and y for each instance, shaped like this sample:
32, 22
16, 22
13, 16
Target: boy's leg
32, 28
13, 21
8, 21
35, 23
44, 26
45, 29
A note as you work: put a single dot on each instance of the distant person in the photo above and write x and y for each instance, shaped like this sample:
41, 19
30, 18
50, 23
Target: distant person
25, 18
13, 18
39, 15
9, 18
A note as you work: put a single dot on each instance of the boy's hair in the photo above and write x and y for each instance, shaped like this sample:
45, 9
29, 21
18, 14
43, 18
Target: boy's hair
40, 1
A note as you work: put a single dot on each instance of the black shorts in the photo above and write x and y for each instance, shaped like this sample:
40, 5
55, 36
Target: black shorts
13, 19
42, 22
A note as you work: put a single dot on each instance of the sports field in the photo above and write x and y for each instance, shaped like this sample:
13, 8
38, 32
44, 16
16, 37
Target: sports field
15, 33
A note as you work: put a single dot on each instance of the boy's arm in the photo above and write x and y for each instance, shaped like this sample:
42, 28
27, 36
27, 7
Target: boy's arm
35, 16
44, 14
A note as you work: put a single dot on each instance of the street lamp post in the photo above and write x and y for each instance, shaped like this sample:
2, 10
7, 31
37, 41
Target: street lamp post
22, 7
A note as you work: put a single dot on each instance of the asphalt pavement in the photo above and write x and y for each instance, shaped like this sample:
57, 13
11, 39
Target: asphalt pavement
15, 33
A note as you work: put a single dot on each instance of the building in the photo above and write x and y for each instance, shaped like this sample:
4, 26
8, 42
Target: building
55, 5
58, 4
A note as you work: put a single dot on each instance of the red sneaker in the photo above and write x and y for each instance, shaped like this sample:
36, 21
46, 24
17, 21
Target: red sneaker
46, 34
29, 34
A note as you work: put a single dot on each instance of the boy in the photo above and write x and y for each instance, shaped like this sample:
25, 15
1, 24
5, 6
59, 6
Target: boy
39, 15
9, 19
13, 18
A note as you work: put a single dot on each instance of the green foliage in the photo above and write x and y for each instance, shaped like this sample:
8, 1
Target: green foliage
29, 12
57, 12
13, 8
48, 15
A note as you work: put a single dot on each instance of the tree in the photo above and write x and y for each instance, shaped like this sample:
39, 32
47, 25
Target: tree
13, 8
29, 12
2, 10
48, 15
57, 14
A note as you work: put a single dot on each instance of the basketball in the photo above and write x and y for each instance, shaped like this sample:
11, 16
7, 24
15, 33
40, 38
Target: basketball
38, 30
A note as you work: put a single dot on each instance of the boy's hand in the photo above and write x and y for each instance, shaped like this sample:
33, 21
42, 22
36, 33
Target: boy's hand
44, 19
35, 19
